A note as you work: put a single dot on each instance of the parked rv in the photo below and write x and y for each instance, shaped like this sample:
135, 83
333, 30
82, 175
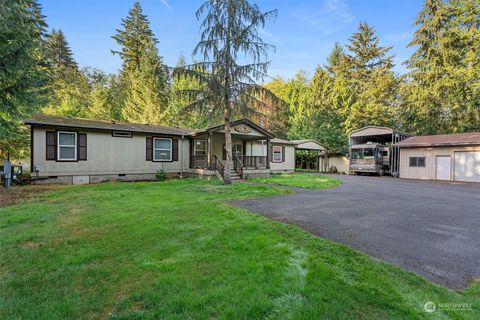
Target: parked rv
372, 150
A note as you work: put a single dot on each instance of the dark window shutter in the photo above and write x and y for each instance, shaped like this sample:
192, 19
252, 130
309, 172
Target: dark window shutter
82, 146
174, 149
51, 145
283, 153
270, 153
149, 155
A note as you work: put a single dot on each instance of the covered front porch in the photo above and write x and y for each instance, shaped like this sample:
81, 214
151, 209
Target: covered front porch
250, 145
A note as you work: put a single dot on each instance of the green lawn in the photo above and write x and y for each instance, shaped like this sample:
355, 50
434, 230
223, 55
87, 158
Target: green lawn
175, 250
301, 180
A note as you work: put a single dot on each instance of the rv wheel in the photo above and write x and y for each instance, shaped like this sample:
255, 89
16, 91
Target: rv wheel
381, 173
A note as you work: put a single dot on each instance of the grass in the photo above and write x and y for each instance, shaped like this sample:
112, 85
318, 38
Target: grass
301, 180
175, 250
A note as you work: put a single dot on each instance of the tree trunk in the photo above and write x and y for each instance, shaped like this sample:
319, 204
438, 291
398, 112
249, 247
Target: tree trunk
228, 145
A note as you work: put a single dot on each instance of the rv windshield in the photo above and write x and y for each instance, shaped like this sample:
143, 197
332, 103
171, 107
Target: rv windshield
366, 153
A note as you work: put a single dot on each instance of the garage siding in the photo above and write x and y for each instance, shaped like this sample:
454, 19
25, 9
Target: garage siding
430, 154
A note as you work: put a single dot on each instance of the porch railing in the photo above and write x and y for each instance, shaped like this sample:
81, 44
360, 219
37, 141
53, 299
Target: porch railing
201, 161
219, 166
253, 162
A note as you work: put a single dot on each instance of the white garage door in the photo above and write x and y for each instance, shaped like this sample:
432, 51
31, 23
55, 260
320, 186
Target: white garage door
467, 166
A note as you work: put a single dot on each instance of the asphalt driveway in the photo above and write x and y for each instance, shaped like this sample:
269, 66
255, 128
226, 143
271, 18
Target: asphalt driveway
430, 228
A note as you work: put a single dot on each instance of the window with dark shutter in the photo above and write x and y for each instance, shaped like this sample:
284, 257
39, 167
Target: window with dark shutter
82, 146
149, 154
174, 149
51, 145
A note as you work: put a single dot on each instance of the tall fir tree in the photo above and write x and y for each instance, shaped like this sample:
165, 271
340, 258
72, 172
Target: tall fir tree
370, 75
58, 51
442, 94
147, 90
23, 72
178, 114
68, 88
144, 75
230, 30
133, 38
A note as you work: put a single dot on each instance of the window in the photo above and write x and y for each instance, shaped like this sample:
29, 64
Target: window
236, 150
417, 162
67, 146
121, 134
200, 148
368, 153
162, 149
277, 154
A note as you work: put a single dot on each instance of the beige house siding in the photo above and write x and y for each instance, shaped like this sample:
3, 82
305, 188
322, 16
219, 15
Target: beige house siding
430, 154
288, 164
107, 155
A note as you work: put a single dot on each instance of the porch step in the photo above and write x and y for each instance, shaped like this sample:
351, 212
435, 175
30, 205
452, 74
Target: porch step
234, 175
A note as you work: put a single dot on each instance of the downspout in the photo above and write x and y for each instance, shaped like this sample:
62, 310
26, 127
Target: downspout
181, 157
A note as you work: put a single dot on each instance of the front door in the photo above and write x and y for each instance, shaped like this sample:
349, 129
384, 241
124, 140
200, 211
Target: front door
444, 168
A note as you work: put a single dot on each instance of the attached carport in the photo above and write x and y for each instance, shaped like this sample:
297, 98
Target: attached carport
310, 155
449, 157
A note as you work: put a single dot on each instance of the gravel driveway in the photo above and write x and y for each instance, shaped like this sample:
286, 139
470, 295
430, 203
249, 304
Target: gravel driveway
430, 228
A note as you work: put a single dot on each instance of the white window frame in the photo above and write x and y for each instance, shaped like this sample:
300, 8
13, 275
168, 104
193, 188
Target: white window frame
59, 146
195, 148
273, 154
155, 149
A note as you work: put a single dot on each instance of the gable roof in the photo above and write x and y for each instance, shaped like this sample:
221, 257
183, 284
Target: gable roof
73, 122
282, 141
309, 144
237, 122
440, 140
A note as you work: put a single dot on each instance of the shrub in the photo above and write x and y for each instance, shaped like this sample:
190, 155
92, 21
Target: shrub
161, 175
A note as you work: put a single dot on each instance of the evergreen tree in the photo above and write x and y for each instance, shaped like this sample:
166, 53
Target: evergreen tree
106, 98
370, 75
68, 88
442, 94
23, 72
147, 95
144, 75
134, 37
58, 51
230, 30
178, 114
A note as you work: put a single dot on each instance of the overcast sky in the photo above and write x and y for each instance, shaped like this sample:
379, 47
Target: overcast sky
303, 33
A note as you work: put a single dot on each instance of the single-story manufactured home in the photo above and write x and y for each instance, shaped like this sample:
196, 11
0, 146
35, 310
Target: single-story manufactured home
450, 157
75, 151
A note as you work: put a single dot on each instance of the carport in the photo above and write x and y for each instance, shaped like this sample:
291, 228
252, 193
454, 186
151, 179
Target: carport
310, 155
379, 135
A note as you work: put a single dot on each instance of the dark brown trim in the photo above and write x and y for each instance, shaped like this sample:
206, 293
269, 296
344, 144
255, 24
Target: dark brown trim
87, 129
79, 146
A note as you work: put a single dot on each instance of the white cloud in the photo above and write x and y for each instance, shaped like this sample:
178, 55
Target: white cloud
331, 16
268, 35
165, 2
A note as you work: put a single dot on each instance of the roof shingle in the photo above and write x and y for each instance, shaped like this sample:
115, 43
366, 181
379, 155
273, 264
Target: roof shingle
72, 122
456, 139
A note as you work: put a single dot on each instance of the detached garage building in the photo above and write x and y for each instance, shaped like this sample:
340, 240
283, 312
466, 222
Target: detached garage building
450, 157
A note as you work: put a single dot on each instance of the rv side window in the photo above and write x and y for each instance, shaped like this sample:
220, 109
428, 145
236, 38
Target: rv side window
356, 154
368, 153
